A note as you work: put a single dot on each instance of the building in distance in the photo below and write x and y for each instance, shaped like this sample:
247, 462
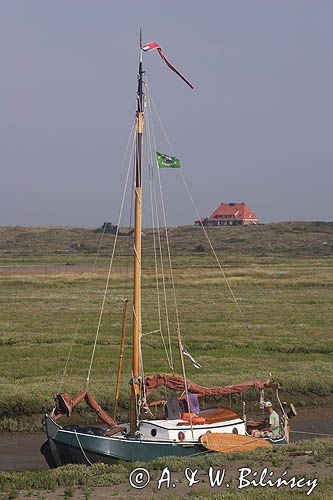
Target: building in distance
230, 214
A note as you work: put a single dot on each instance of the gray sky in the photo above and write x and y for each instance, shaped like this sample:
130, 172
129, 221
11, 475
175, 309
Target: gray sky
257, 128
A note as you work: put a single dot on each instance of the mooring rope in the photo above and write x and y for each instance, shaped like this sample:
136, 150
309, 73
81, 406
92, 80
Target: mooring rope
83, 452
312, 433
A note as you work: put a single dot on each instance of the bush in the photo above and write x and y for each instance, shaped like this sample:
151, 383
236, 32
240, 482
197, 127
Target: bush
199, 249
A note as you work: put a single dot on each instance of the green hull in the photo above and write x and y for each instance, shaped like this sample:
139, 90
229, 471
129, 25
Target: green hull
65, 447
70, 446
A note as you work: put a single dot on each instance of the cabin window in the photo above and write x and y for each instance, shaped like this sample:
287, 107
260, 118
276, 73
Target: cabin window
153, 432
235, 430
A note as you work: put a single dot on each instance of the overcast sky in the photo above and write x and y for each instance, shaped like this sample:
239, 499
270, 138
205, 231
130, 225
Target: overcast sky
257, 128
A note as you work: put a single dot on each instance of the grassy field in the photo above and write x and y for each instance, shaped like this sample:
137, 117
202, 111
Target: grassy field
30, 244
281, 274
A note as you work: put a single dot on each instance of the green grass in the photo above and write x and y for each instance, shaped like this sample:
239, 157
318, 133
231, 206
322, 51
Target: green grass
281, 274
99, 475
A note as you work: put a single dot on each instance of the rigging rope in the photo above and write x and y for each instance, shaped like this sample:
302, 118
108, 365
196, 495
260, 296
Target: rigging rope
172, 279
150, 333
166, 232
234, 298
163, 280
88, 289
154, 211
110, 266
155, 257
81, 313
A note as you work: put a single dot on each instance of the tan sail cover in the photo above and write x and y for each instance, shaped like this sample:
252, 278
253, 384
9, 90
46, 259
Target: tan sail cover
176, 382
231, 443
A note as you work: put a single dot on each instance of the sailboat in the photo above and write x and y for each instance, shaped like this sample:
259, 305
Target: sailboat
178, 432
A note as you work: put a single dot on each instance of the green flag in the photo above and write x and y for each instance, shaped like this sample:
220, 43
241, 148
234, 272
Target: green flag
165, 161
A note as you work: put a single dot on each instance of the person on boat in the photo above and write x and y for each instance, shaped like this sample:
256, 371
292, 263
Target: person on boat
273, 429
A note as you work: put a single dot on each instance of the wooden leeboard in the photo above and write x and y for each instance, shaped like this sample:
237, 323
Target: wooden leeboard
229, 443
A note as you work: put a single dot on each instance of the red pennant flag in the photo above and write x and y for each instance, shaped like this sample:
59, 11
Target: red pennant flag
153, 45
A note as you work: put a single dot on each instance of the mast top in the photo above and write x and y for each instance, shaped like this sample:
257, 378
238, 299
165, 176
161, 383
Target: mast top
141, 46
140, 79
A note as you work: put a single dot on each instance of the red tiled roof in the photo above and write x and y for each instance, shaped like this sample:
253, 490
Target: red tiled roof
236, 211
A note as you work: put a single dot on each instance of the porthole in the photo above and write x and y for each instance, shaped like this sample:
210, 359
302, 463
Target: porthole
153, 432
235, 430
181, 436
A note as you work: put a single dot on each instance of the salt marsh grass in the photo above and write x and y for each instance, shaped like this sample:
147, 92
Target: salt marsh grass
283, 285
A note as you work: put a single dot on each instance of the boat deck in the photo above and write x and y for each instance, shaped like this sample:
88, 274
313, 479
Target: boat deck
222, 414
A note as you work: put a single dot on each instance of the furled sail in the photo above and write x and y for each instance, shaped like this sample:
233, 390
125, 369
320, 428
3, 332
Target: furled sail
176, 382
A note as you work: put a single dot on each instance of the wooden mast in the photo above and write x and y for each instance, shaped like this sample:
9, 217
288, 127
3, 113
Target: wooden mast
135, 391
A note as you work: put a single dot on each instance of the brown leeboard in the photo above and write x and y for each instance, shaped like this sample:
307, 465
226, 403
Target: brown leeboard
230, 443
